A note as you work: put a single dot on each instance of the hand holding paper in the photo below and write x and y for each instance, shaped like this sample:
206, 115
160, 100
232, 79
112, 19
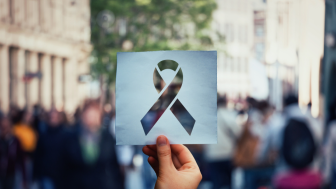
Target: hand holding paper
171, 93
174, 165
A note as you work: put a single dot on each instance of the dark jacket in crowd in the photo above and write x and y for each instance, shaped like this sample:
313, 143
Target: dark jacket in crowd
11, 159
104, 173
47, 161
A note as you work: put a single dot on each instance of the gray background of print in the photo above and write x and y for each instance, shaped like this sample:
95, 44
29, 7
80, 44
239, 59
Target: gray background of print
135, 95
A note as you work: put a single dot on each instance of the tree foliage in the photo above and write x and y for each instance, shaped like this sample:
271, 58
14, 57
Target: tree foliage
147, 25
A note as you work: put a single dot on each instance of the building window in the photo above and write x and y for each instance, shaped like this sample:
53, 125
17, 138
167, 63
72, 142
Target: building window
224, 63
259, 31
232, 33
260, 48
229, 64
246, 65
245, 40
239, 65
240, 34
227, 32
222, 29
233, 62
243, 65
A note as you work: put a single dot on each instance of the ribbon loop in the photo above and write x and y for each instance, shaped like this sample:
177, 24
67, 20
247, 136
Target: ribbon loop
167, 97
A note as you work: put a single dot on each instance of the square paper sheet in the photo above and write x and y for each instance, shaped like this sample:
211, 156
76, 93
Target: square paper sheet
136, 95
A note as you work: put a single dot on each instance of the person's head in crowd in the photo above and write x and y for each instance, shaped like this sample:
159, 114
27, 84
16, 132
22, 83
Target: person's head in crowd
266, 109
264, 106
37, 110
5, 127
55, 119
77, 114
91, 117
290, 99
27, 117
64, 118
252, 103
14, 114
221, 101
17, 116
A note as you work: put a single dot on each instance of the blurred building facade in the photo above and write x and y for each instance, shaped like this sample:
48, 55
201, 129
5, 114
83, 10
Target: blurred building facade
234, 19
44, 46
294, 48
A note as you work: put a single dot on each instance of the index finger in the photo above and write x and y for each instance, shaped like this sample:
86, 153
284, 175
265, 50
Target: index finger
153, 147
182, 153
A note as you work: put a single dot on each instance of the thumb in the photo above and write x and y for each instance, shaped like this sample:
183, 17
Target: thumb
163, 153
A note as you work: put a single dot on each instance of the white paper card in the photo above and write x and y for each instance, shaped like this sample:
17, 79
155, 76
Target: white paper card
183, 106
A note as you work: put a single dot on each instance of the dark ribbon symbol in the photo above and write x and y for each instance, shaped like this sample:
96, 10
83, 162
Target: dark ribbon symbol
166, 98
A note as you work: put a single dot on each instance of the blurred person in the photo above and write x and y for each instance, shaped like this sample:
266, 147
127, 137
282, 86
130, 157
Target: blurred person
27, 136
39, 120
88, 156
47, 162
316, 119
11, 156
76, 126
14, 113
329, 171
330, 156
77, 114
332, 112
219, 156
296, 137
255, 174
107, 116
174, 165
125, 153
24, 132
1, 113
134, 175
64, 119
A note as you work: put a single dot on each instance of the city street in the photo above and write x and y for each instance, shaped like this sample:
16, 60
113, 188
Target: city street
276, 94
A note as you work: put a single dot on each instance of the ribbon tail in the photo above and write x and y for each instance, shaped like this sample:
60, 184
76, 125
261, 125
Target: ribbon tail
150, 119
155, 113
183, 116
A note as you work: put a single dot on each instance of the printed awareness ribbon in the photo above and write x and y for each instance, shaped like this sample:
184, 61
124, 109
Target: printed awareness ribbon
166, 98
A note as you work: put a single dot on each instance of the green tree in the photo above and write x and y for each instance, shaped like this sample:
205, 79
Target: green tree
146, 25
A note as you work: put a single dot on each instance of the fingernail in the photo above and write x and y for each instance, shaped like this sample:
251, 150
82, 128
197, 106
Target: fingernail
162, 141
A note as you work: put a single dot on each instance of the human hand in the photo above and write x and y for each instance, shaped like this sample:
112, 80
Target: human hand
174, 165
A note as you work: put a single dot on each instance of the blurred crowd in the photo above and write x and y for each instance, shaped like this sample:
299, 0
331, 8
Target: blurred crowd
41, 149
258, 147
288, 149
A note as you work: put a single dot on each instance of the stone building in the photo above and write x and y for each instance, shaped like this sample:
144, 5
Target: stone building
44, 47
294, 48
234, 20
